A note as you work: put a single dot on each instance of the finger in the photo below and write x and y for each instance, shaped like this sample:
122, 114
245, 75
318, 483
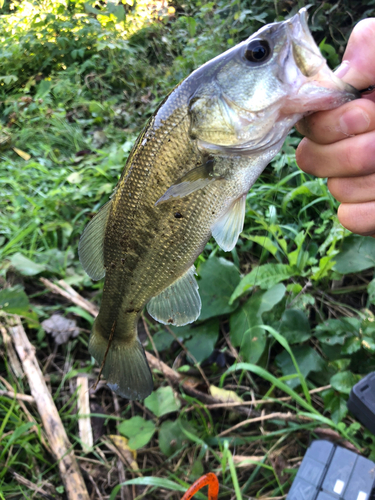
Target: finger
358, 217
353, 189
356, 68
326, 127
350, 158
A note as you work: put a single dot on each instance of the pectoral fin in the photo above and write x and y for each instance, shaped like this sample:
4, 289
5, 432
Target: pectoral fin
91, 244
179, 304
197, 178
227, 229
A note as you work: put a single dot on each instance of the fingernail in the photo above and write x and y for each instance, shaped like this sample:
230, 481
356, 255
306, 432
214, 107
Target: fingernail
354, 121
342, 69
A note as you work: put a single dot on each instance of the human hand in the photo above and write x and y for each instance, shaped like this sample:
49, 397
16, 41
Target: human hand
340, 143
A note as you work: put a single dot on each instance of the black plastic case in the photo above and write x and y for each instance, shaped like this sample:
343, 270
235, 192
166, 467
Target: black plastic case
329, 472
362, 401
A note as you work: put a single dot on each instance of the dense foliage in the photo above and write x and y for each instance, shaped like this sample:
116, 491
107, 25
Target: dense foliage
294, 301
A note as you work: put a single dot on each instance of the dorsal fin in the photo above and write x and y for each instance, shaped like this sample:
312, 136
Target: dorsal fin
91, 244
179, 304
227, 229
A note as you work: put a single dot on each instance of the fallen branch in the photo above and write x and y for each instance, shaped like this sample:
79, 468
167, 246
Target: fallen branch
58, 440
174, 377
12, 356
33, 487
70, 294
84, 421
272, 416
19, 397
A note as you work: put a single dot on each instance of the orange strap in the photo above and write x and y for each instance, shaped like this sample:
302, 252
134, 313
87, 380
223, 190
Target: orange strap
209, 480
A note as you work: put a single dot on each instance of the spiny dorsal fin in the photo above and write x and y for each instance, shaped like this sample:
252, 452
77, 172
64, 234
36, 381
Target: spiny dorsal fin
227, 229
91, 244
179, 304
196, 179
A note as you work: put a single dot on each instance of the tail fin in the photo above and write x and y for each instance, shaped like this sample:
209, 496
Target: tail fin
126, 369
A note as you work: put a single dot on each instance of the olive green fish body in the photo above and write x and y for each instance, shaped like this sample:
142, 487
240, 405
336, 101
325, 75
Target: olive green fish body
186, 180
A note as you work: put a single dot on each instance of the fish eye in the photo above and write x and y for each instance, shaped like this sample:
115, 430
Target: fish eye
258, 51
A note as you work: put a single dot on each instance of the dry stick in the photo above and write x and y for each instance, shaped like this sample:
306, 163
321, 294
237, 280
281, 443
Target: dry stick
84, 420
261, 401
25, 482
61, 448
20, 397
12, 356
173, 376
279, 415
67, 292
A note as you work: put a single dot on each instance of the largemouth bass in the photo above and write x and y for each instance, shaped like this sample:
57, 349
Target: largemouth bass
186, 180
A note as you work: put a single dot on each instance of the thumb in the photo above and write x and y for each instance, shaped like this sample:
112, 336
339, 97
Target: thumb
357, 67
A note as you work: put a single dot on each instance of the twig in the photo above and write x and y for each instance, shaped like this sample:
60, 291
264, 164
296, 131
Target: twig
84, 421
37, 489
261, 401
61, 448
70, 294
277, 415
20, 397
12, 356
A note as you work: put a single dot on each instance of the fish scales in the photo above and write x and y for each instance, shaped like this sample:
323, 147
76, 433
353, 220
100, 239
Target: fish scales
187, 178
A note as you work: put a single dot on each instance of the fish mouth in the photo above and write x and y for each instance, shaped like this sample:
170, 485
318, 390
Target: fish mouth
306, 53
316, 87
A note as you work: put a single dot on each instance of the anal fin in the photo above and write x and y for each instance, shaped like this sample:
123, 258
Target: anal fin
179, 304
91, 244
227, 229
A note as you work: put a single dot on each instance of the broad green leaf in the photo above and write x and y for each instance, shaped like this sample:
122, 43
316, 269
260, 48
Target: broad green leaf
172, 437
199, 339
14, 300
351, 345
265, 276
203, 339
219, 278
162, 401
242, 322
371, 291
307, 359
368, 343
336, 331
25, 266
357, 254
344, 381
163, 340
138, 430
336, 404
295, 326
265, 242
